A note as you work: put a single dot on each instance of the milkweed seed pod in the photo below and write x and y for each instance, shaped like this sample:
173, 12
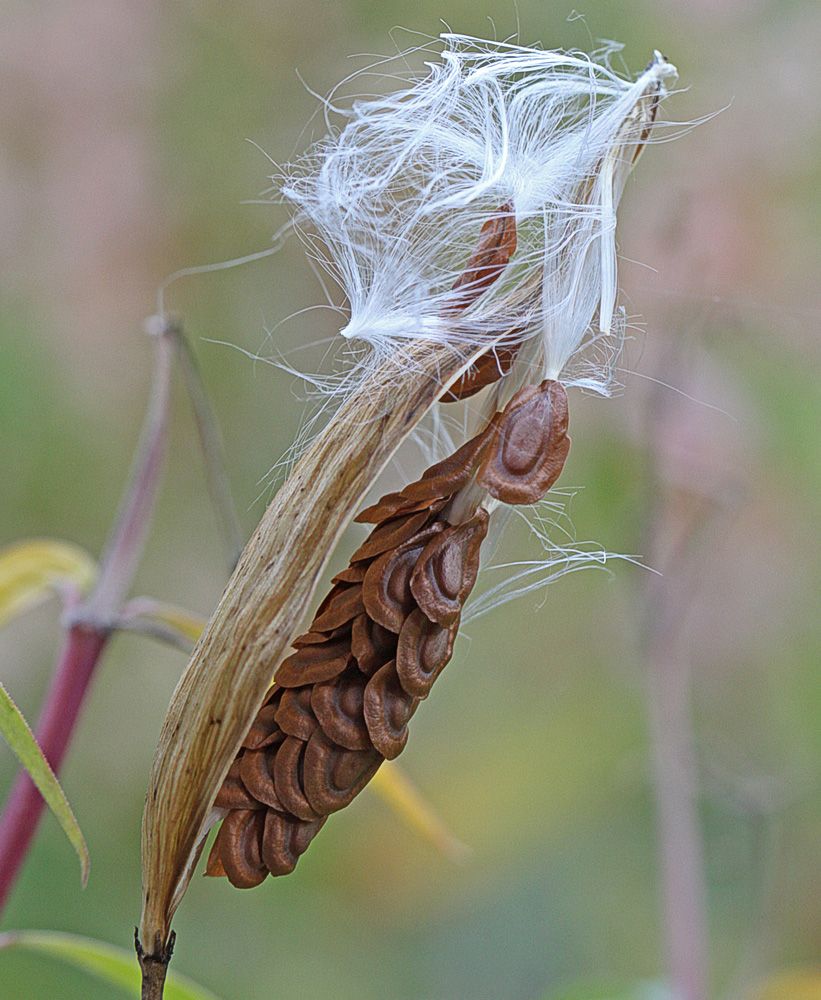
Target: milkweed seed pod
341, 703
469, 219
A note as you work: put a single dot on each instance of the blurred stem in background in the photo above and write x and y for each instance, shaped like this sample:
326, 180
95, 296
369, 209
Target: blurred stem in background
687, 497
91, 622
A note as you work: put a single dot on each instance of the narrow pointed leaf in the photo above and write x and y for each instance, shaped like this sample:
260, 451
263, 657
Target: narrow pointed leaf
31, 570
398, 791
20, 738
116, 966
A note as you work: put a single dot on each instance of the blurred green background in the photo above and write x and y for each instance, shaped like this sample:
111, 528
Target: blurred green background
123, 156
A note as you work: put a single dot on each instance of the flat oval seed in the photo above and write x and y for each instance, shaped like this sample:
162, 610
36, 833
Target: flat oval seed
315, 663
233, 794
388, 708
257, 773
424, 650
529, 446
390, 534
391, 505
386, 588
240, 839
288, 774
337, 705
451, 474
264, 729
335, 776
285, 839
371, 644
295, 716
447, 569
343, 603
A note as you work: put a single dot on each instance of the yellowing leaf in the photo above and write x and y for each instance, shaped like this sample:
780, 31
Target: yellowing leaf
30, 570
399, 792
21, 739
162, 621
114, 965
801, 984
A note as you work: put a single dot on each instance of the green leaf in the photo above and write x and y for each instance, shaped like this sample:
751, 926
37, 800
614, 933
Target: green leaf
31, 570
21, 739
114, 965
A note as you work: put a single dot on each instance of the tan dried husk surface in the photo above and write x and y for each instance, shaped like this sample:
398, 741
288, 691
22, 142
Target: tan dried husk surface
260, 612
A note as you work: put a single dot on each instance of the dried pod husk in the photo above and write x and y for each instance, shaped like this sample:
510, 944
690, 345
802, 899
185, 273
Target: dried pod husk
388, 708
386, 588
529, 445
447, 568
424, 650
334, 776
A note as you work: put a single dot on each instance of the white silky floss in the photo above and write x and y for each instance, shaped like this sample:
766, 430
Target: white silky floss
398, 195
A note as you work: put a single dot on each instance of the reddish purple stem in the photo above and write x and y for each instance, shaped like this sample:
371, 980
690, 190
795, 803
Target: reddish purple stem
62, 707
90, 624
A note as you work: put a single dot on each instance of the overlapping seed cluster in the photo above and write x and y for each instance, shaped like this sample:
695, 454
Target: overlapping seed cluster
341, 703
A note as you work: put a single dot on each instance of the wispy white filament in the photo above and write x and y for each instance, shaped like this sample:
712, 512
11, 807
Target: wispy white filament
392, 203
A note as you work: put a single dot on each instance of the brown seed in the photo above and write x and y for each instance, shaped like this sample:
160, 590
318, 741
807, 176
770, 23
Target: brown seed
343, 603
338, 706
489, 368
264, 729
391, 505
386, 588
355, 573
424, 650
446, 570
285, 839
314, 663
288, 776
371, 644
315, 638
239, 841
389, 534
257, 773
335, 776
388, 709
529, 445
496, 245
295, 716
233, 794
451, 474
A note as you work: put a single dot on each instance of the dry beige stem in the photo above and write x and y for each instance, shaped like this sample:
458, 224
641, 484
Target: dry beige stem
259, 613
